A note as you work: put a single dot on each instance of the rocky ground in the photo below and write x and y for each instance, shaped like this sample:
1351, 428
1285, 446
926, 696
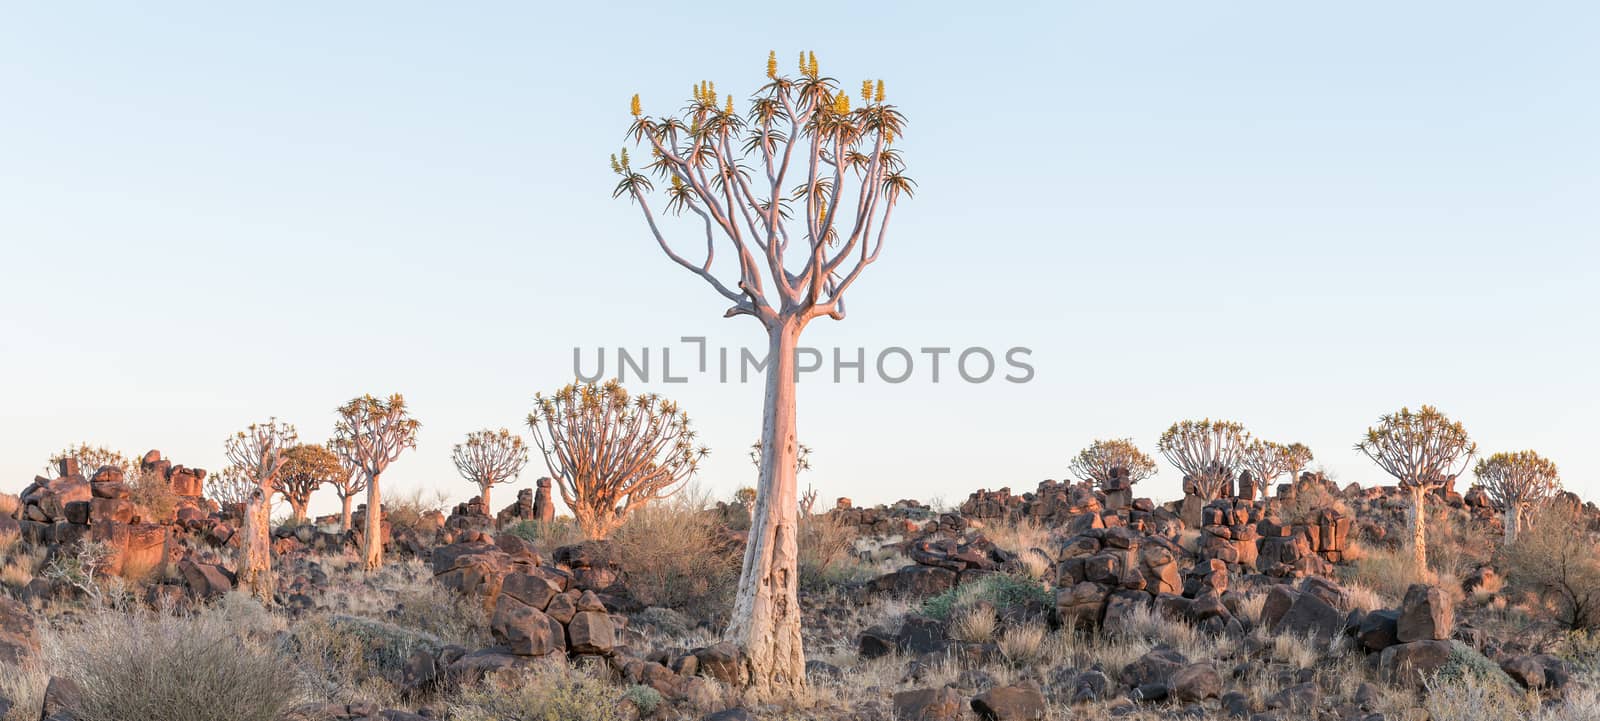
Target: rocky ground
1066, 602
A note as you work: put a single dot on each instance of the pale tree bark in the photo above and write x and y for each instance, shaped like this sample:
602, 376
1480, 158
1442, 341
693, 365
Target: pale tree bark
297, 508
1419, 526
1513, 519
372, 537
344, 515
254, 573
483, 492
766, 614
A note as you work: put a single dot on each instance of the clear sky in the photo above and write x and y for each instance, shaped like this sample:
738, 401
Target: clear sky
1296, 215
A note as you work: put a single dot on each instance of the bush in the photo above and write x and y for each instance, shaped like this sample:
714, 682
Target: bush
1470, 698
201, 667
825, 553
24, 687
551, 693
1000, 590
1465, 662
547, 537
153, 493
644, 698
405, 511
350, 650
673, 558
1554, 557
9, 504
439, 612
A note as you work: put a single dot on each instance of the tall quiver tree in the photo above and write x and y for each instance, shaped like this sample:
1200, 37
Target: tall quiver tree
1264, 461
1423, 450
351, 482
258, 454
1208, 453
1516, 482
1113, 466
1296, 456
371, 434
488, 458
612, 453
800, 190
308, 468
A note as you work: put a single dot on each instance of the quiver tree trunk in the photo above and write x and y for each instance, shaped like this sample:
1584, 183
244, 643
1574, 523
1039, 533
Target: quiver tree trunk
298, 508
483, 492
766, 620
344, 515
254, 566
372, 537
1419, 526
1513, 521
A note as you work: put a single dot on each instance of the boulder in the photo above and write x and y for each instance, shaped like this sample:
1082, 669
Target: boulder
1539, 672
927, 704
1022, 702
524, 630
1379, 630
1196, 682
591, 632
1426, 614
1410, 663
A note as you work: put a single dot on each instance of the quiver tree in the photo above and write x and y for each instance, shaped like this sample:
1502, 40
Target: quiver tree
1207, 452
1265, 461
309, 467
258, 454
1103, 461
351, 482
1423, 450
1516, 482
799, 191
490, 457
370, 434
1296, 456
90, 459
610, 452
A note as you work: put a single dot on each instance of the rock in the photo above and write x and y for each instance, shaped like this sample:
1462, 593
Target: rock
721, 661
1196, 682
591, 632
1009, 703
1379, 630
533, 591
1157, 665
1539, 672
1300, 698
1237, 704
62, 698
732, 714
1310, 615
1425, 615
1277, 604
1410, 663
475, 666
914, 581
524, 630
927, 704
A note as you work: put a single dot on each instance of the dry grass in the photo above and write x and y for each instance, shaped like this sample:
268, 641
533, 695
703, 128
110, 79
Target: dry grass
24, 686
1359, 597
548, 692
217, 665
1388, 574
9, 504
1250, 606
1023, 645
974, 625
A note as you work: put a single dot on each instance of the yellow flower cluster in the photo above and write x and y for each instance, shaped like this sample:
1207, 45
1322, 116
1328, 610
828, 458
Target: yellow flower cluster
706, 92
772, 64
729, 108
808, 65
866, 91
634, 106
879, 96
841, 104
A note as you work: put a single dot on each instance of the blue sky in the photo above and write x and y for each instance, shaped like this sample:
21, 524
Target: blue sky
1297, 216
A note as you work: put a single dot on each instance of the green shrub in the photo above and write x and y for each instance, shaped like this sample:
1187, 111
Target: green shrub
549, 693
1003, 591
546, 537
348, 651
1465, 661
644, 698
